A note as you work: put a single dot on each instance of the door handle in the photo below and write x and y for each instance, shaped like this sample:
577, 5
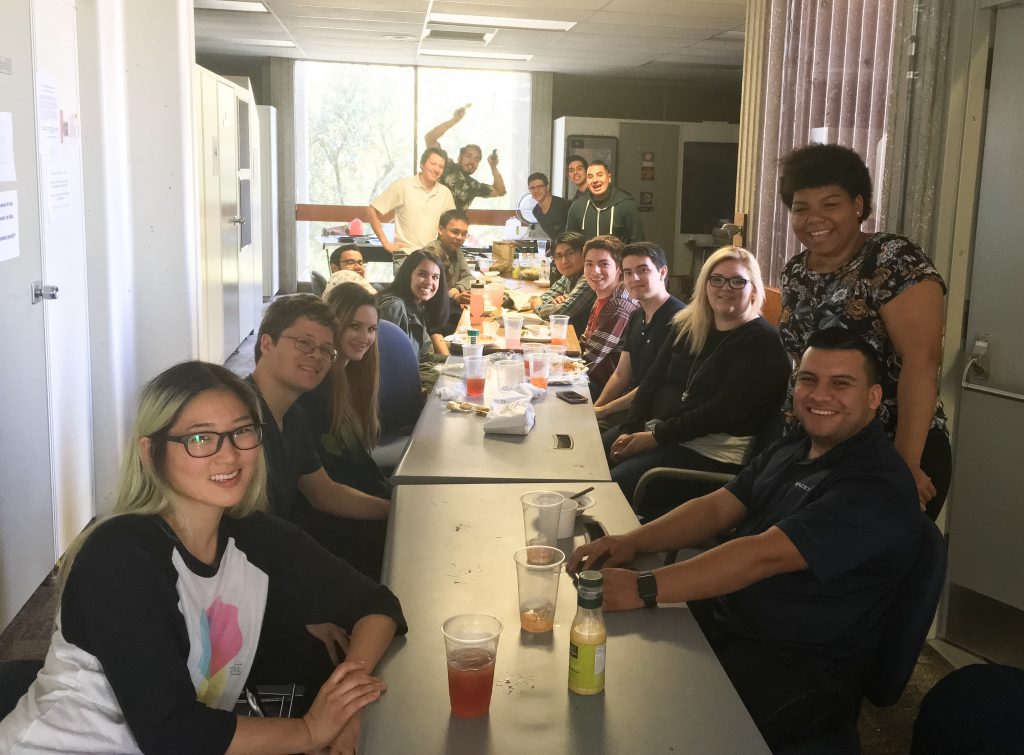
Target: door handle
238, 220
973, 366
40, 292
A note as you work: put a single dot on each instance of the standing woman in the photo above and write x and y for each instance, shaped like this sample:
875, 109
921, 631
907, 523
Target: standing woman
169, 605
880, 286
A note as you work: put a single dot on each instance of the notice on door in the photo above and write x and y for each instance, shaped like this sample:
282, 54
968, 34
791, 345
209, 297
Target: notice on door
6, 148
8, 225
48, 111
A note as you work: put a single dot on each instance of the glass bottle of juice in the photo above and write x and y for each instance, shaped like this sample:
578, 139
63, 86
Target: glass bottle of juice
587, 637
476, 303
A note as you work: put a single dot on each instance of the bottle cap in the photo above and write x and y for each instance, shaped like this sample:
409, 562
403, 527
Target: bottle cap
591, 589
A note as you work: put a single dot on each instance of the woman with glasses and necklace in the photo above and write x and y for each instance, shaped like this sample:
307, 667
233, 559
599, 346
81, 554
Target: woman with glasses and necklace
187, 591
718, 378
880, 286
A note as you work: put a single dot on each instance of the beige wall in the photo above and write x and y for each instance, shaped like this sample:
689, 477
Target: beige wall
646, 99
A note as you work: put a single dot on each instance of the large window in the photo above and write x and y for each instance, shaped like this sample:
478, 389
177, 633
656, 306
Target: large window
364, 129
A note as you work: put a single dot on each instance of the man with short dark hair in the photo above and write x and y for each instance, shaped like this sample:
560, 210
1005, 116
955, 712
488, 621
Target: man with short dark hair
295, 347
644, 269
607, 210
451, 234
347, 257
822, 528
418, 202
576, 169
570, 295
551, 211
458, 176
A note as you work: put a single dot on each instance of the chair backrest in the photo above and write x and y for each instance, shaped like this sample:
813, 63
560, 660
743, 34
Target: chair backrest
400, 397
909, 618
772, 309
318, 282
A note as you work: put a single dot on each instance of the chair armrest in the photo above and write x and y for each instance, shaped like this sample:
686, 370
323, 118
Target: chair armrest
672, 473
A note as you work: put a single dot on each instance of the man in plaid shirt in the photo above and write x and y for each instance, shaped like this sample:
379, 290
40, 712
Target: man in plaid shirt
602, 339
569, 295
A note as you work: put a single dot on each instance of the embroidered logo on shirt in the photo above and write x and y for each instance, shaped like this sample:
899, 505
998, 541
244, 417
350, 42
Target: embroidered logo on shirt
802, 486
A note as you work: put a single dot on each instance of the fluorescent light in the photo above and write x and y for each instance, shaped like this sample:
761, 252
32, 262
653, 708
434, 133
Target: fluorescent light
501, 22
467, 54
249, 42
247, 6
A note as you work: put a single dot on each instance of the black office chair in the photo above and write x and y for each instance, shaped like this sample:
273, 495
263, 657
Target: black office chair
15, 679
904, 631
318, 282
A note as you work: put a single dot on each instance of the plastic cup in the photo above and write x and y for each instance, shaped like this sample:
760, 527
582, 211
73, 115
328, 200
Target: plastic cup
541, 511
513, 331
540, 368
510, 373
471, 647
483, 264
559, 329
476, 374
567, 519
472, 350
496, 290
538, 568
557, 361
530, 348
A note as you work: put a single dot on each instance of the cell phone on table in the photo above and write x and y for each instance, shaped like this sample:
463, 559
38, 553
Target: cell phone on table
572, 397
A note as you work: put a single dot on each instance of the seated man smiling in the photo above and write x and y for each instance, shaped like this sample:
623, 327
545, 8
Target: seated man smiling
823, 526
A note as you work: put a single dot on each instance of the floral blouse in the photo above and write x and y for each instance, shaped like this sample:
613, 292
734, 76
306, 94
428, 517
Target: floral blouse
851, 297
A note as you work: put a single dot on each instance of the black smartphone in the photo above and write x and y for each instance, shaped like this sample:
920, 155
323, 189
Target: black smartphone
572, 397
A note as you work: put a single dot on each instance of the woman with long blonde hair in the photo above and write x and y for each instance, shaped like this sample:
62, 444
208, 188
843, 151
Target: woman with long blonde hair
188, 590
712, 386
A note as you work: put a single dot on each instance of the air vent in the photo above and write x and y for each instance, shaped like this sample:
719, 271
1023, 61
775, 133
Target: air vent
457, 36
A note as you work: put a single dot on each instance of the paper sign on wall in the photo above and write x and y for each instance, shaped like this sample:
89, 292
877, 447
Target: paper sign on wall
48, 109
58, 189
8, 225
6, 148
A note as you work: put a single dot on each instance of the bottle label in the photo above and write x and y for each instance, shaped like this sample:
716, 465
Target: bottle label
586, 666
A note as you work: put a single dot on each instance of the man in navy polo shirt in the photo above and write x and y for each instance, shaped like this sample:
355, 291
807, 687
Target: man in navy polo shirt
824, 524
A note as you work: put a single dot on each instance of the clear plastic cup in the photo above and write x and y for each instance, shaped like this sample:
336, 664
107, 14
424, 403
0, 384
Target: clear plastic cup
540, 368
471, 648
538, 568
541, 511
559, 329
472, 350
557, 361
567, 519
513, 331
510, 373
483, 264
476, 374
530, 348
496, 292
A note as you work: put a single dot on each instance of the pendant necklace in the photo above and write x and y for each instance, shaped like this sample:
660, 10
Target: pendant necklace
695, 371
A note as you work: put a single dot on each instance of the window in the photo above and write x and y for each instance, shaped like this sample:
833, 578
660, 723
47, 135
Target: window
364, 127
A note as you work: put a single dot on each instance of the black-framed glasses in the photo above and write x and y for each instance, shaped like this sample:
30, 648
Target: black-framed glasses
309, 346
736, 282
201, 445
564, 255
538, 186
351, 263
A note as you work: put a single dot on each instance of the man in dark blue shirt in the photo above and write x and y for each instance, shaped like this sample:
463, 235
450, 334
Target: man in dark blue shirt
824, 526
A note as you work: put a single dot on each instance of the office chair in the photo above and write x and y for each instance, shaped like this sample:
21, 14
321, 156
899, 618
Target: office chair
400, 396
15, 679
318, 282
904, 630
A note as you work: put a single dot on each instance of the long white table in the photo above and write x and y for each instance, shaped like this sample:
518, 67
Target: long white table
452, 447
449, 551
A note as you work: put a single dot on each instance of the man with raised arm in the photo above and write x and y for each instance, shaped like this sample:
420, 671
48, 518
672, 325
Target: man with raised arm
458, 176
819, 531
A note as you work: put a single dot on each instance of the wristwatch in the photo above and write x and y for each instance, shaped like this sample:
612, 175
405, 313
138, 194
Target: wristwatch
647, 587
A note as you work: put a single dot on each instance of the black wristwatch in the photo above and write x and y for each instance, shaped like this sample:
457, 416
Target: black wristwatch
647, 587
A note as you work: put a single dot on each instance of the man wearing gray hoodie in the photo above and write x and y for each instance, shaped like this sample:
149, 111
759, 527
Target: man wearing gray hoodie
606, 211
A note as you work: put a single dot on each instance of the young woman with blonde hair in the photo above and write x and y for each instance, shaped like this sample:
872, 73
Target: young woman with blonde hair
713, 385
187, 591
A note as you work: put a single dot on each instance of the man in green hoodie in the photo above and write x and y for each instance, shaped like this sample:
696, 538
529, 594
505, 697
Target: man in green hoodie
606, 211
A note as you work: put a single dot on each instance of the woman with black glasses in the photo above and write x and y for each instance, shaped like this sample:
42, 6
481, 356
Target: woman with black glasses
187, 591
714, 384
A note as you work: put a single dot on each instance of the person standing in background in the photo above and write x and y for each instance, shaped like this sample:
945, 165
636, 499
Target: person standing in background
458, 176
552, 212
607, 211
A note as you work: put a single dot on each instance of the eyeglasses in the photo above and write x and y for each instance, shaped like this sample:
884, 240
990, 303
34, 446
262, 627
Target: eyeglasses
309, 346
564, 255
536, 186
201, 445
351, 263
736, 282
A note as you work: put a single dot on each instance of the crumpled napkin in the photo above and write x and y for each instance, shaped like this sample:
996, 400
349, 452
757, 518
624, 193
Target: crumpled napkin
515, 417
521, 391
456, 392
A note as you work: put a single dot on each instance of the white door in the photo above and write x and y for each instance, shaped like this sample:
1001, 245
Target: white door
62, 217
986, 518
26, 516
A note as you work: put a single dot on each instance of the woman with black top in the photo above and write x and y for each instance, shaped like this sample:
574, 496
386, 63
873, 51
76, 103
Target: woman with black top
170, 604
715, 382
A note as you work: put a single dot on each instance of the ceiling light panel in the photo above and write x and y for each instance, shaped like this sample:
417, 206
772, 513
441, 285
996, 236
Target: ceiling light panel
244, 6
501, 22
474, 54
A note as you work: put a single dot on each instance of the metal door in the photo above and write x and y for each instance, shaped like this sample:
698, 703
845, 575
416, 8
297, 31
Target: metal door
986, 523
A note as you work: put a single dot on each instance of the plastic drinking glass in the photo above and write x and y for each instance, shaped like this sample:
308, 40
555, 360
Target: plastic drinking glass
510, 373
476, 373
483, 264
513, 331
471, 647
559, 329
530, 348
540, 368
472, 350
541, 510
567, 519
496, 290
538, 568
557, 361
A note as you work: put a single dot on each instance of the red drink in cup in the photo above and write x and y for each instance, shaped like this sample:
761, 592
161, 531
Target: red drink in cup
475, 386
476, 372
540, 368
470, 681
559, 325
